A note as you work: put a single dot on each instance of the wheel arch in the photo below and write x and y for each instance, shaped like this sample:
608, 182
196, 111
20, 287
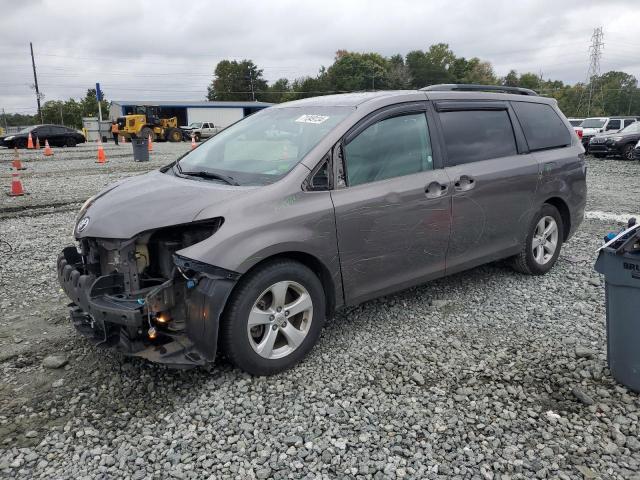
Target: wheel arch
565, 214
331, 293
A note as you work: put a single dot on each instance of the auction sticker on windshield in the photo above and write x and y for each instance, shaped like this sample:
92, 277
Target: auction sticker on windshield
312, 119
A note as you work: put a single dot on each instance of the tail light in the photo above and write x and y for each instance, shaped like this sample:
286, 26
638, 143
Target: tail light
579, 132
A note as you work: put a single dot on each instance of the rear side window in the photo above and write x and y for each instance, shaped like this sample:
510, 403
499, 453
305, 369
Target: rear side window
542, 126
474, 135
389, 148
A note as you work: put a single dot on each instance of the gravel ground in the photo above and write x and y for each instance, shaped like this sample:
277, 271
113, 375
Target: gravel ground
485, 374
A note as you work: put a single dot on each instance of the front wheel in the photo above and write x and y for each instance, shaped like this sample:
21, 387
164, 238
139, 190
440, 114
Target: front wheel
543, 243
70, 142
627, 151
273, 318
599, 155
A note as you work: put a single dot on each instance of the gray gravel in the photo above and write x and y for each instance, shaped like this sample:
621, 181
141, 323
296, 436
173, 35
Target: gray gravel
485, 374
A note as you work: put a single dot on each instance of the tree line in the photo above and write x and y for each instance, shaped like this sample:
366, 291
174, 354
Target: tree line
612, 93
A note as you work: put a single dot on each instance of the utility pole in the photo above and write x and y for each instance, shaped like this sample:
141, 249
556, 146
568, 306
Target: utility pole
373, 78
35, 79
253, 95
61, 117
4, 115
593, 75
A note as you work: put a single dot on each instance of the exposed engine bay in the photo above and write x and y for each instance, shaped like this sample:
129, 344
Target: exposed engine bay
142, 298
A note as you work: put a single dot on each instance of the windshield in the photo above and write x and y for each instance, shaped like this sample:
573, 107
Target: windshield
27, 129
196, 125
593, 123
633, 128
265, 146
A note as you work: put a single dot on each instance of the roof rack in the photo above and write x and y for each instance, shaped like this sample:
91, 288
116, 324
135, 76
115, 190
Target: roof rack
471, 87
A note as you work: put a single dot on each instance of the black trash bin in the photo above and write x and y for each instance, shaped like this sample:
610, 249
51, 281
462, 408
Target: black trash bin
140, 150
621, 268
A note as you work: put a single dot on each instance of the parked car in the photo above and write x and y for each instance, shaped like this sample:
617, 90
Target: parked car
576, 123
253, 239
57, 135
594, 125
201, 130
620, 143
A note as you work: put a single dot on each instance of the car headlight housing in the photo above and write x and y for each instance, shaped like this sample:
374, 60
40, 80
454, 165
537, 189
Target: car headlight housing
10, 137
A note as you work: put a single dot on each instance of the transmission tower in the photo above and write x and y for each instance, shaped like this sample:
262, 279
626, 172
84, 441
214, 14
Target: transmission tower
593, 74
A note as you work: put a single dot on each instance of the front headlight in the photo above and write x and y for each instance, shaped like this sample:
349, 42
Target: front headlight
10, 137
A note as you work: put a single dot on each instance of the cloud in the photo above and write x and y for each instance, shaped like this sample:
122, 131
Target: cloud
168, 50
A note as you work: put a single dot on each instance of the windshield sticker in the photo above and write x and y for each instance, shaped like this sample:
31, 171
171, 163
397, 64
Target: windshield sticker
312, 119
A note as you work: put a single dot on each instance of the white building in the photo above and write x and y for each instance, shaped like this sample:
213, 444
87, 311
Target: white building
220, 113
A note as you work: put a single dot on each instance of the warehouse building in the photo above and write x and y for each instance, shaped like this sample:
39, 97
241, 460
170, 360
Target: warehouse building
220, 113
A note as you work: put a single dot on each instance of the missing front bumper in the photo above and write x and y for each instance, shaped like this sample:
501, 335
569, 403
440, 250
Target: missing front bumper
105, 314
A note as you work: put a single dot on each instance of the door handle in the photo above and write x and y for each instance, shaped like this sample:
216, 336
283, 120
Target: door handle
464, 183
435, 189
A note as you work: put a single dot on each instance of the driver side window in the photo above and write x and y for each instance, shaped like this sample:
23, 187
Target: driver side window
390, 148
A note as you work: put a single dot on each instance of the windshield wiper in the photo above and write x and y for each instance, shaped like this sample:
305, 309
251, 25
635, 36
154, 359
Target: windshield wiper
205, 174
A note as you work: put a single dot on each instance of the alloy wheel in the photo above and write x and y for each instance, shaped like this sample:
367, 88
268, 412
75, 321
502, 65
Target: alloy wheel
545, 240
280, 319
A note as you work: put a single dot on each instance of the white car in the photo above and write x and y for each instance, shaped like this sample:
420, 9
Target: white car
576, 123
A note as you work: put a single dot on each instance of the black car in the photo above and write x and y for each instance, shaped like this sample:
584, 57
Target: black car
57, 135
620, 143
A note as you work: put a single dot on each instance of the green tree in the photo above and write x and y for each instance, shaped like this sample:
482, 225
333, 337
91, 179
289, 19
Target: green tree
235, 81
431, 67
353, 71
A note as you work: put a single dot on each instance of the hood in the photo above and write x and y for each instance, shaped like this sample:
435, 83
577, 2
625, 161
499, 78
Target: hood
150, 201
609, 134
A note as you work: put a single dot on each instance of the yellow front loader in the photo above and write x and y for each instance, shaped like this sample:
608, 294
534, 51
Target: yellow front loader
146, 122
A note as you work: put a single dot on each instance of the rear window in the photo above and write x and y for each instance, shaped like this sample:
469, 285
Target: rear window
474, 135
542, 126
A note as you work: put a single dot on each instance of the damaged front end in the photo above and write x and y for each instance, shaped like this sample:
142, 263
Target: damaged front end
142, 298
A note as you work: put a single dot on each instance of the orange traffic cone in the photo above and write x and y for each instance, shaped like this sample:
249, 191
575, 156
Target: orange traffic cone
102, 158
193, 142
149, 144
16, 186
47, 149
30, 141
17, 164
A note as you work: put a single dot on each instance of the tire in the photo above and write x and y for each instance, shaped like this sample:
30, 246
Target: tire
146, 132
70, 142
20, 143
174, 135
197, 137
599, 155
526, 261
627, 151
248, 348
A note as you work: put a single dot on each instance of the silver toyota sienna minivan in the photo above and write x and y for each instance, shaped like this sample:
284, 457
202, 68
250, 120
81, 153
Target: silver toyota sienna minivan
246, 244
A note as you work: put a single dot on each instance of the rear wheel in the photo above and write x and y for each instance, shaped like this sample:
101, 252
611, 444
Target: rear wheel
273, 318
174, 135
627, 151
543, 243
